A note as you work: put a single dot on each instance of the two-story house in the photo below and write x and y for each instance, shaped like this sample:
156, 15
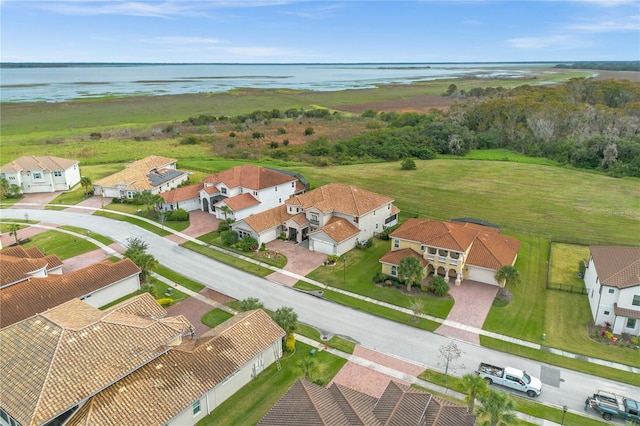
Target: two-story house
612, 279
42, 174
453, 250
245, 190
333, 218
154, 173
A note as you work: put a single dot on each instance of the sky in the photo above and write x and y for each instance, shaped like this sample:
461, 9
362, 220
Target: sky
356, 31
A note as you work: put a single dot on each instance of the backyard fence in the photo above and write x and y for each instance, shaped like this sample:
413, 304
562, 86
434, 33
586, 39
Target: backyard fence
566, 287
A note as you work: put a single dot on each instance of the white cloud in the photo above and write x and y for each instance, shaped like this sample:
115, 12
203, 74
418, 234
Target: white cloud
178, 40
628, 23
555, 42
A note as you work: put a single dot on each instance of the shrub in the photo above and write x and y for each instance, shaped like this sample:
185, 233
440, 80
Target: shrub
333, 258
364, 244
439, 286
189, 140
180, 215
273, 145
408, 164
257, 135
229, 237
96, 135
263, 247
290, 343
309, 131
232, 134
223, 226
165, 301
248, 243
373, 124
285, 142
369, 114
282, 130
379, 277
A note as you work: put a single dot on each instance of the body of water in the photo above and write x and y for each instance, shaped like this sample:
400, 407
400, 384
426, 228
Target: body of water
62, 82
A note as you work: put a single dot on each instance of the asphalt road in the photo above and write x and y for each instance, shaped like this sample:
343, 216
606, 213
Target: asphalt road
560, 386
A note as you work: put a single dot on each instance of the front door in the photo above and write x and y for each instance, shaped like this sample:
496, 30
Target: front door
293, 234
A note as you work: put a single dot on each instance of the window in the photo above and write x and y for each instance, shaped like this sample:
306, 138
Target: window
606, 313
394, 270
293, 184
57, 173
636, 300
396, 243
276, 189
37, 175
423, 248
631, 323
223, 190
196, 407
611, 291
280, 200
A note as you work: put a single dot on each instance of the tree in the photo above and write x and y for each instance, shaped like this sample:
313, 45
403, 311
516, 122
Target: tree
136, 244
417, 306
286, 318
499, 407
226, 210
86, 183
507, 276
4, 187
309, 131
408, 164
137, 252
449, 354
439, 286
148, 198
475, 387
250, 304
411, 271
308, 366
14, 231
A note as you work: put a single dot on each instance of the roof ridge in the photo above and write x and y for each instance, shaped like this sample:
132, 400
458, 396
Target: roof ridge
348, 402
306, 386
49, 371
624, 270
486, 247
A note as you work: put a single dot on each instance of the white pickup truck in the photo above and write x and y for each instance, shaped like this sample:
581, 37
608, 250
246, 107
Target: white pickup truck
511, 378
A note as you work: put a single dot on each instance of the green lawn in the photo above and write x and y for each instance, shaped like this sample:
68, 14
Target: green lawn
215, 317
228, 259
177, 278
104, 240
63, 245
336, 342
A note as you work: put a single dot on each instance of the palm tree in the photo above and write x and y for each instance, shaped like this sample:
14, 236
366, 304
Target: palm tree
4, 187
417, 306
411, 271
308, 366
475, 387
14, 231
250, 304
498, 407
148, 198
85, 181
508, 275
226, 210
286, 318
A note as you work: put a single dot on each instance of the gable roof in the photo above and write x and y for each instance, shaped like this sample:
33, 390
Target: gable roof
18, 263
267, 219
394, 257
249, 176
340, 198
181, 376
182, 193
486, 247
311, 404
145, 174
241, 201
617, 266
55, 360
338, 229
33, 162
37, 295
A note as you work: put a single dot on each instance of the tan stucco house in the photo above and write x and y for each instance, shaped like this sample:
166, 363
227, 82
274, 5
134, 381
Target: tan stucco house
454, 250
34, 174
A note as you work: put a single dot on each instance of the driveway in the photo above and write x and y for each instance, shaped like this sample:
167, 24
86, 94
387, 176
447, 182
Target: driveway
299, 260
40, 199
200, 223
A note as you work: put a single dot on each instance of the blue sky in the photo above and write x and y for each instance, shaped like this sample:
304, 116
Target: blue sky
246, 31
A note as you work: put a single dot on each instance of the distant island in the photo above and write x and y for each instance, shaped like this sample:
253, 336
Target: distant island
604, 65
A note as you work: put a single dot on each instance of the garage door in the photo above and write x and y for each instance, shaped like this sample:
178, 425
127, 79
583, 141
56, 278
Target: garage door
323, 246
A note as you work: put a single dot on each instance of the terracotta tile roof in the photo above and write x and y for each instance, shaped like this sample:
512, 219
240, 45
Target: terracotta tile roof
241, 201
183, 193
211, 190
339, 229
395, 256
268, 219
251, 177
33, 162
626, 312
617, 266
176, 379
487, 247
37, 295
300, 219
310, 404
18, 263
340, 198
53, 361
138, 174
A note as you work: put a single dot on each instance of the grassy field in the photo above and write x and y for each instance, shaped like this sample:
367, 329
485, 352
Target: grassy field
65, 246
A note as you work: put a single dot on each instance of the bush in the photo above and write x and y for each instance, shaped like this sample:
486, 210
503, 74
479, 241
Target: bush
180, 215
282, 130
223, 226
379, 277
229, 237
96, 135
369, 114
285, 142
232, 134
165, 301
189, 140
257, 135
248, 243
309, 131
333, 258
439, 286
408, 164
290, 343
364, 244
263, 247
273, 145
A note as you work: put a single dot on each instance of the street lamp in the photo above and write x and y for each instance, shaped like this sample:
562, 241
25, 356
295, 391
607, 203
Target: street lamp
564, 411
344, 268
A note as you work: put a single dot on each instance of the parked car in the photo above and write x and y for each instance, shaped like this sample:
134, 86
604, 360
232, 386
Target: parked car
511, 378
611, 405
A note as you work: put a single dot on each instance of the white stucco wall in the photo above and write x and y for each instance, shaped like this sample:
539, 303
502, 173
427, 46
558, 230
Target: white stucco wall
188, 205
112, 292
483, 275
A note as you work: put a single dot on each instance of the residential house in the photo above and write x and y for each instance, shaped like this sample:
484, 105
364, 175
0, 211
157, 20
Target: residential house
184, 197
18, 264
77, 365
154, 173
454, 250
612, 280
333, 218
42, 174
310, 404
245, 190
97, 284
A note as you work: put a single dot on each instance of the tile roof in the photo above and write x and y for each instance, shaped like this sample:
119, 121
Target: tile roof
626, 312
617, 266
176, 379
310, 404
241, 201
33, 162
37, 295
338, 229
182, 193
251, 177
143, 174
487, 247
395, 256
211, 190
18, 263
53, 361
268, 219
340, 198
